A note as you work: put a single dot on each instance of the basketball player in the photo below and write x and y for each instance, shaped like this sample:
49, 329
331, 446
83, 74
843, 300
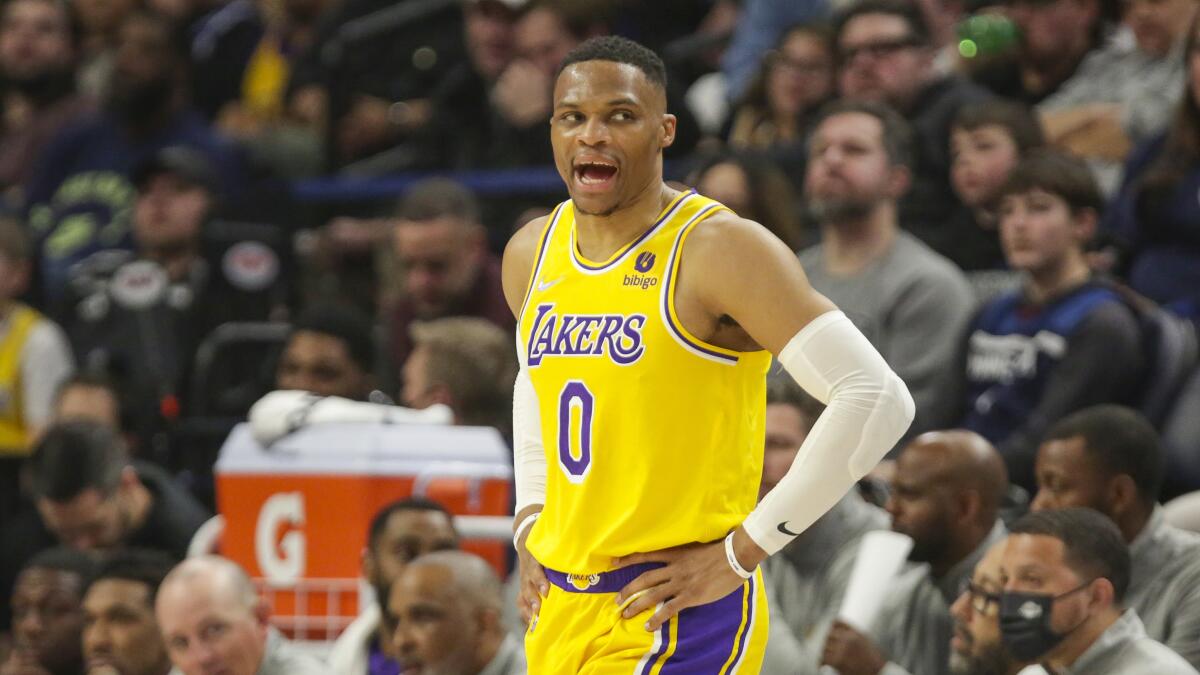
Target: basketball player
647, 321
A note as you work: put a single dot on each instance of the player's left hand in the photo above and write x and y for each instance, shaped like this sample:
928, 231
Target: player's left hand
695, 574
850, 652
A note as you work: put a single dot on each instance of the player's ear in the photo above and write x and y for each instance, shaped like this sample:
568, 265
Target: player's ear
667, 135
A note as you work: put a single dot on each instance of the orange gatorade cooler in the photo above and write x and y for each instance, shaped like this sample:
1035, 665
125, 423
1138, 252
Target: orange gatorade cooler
297, 512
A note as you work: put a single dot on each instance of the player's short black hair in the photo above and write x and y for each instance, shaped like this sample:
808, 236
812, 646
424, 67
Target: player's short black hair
1094, 547
140, 565
619, 50
345, 323
63, 559
379, 522
1121, 441
75, 456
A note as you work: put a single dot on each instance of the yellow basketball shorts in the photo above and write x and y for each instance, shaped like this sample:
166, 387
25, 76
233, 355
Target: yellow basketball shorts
579, 631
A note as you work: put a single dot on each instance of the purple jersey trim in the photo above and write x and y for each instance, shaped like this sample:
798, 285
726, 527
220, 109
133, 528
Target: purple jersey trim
668, 276
604, 582
706, 634
645, 235
541, 256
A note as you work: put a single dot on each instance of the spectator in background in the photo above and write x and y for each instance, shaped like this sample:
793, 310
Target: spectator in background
465, 363
1122, 94
753, 188
987, 140
1055, 36
89, 396
1155, 216
792, 83
91, 497
100, 22
758, 28
886, 54
39, 43
80, 198
330, 352
47, 618
34, 360
909, 301
399, 533
120, 635
213, 621
446, 268
1072, 566
1062, 342
946, 496
977, 648
464, 122
1110, 459
806, 581
446, 607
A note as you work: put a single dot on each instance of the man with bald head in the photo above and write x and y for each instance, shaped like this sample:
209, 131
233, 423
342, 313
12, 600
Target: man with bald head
447, 611
213, 621
946, 496
976, 648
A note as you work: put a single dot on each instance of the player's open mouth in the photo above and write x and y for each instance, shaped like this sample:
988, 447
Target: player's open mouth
595, 175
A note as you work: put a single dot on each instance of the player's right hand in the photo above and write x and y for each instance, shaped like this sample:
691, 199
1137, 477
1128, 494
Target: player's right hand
533, 583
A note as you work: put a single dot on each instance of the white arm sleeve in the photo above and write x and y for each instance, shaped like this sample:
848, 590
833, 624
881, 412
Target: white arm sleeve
529, 457
869, 409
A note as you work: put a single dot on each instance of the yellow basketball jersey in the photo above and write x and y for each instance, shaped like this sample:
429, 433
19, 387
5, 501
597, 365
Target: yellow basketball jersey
14, 435
653, 437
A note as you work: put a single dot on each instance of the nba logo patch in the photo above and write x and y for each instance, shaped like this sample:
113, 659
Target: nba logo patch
644, 262
583, 581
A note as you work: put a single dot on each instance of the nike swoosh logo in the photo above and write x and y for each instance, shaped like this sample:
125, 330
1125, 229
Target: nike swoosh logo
783, 529
545, 285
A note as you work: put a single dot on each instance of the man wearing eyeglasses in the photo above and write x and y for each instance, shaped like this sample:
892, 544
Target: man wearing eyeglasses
976, 648
886, 54
1065, 574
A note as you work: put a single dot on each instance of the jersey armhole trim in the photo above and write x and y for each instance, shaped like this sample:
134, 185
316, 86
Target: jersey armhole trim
675, 327
547, 233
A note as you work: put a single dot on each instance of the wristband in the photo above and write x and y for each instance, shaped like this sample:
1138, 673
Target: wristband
733, 561
524, 526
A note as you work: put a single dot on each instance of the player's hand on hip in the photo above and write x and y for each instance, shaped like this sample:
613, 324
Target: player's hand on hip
850, 652
533, 584
694, 574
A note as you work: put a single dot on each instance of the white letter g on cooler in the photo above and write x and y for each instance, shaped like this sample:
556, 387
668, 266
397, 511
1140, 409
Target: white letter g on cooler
284, 508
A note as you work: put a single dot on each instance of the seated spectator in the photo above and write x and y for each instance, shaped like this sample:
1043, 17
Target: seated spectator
142, 314
977, 647
759, 26
910, 302
330, 352
34, 360
100, 27
91, 397
446, 607
465, 363
1155, 217
82, 177
39, 47
213, 621
399, 533
792, 83
120, 635
753, 188
1110, 459
1064, 341
1066, 573
805, 582
987, 140
90, 496
946, 496
1055, 36
446, 268
1122, 94
886, 54
47, 617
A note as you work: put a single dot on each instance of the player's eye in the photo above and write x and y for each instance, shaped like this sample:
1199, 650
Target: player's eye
622, 116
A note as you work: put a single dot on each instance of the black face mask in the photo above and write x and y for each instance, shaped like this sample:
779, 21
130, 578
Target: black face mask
1025, 623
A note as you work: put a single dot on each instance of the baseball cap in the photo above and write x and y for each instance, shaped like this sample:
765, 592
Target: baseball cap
187, 163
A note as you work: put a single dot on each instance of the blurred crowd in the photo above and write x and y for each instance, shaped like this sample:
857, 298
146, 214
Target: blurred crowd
1003, 195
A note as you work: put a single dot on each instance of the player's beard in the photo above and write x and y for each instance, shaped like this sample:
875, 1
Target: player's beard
599, 214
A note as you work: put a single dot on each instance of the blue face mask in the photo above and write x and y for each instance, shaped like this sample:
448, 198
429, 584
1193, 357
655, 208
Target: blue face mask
1025, 623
